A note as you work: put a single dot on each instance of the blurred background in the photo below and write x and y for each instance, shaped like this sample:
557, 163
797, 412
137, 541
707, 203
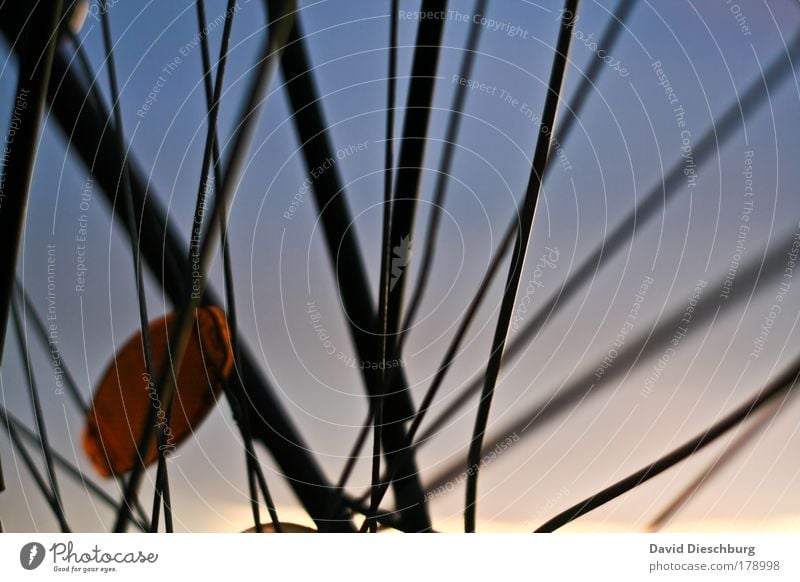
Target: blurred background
628, 136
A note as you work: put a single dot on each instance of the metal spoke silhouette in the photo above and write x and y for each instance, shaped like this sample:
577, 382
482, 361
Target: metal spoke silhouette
524, 227
780, 385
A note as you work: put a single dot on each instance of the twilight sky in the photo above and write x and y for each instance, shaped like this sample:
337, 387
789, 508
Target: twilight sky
632, 130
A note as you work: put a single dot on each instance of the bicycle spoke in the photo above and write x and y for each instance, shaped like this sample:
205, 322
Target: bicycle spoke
384, 298
443, 176
449, 358
229, 294
348, 267
412, 150
609, 39
277, 33
525, 225
45, 489
47, 42
85, 67
236, 393
649, 343
784, 383
75, 107
38, 416
57, 359
125, 185
73, 471
35, 67
60, 367
755, 96
757, 426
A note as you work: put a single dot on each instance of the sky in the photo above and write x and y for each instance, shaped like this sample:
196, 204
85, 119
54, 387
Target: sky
628, 135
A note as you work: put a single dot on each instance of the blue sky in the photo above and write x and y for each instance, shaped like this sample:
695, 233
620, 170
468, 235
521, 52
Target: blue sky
623, 142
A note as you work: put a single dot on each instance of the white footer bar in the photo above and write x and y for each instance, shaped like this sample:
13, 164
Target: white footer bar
388, 558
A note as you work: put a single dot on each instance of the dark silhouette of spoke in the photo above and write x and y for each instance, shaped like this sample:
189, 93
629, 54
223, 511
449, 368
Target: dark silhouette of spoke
609, 39
54, 66
78, 110
127, 196
412, 153
29, 312
277, 33
157, 499
731, 450
10, 421
451, 134
780, 385
37, 36
213, 116
384, 299
350, 273
85, 66
454, 121
236, 392
607, 42
38, 416
350, 463
44, 488
755, 96
449, 358
525, 225
60, 366
647, 344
